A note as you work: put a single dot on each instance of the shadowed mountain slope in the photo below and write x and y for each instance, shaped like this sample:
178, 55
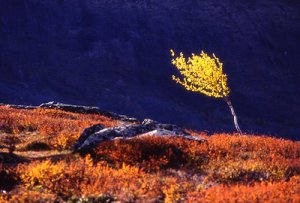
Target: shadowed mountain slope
115, 55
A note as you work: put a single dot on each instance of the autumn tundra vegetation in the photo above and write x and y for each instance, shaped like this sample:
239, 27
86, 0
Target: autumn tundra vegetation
37, 164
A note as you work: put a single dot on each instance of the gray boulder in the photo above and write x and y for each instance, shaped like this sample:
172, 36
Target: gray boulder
86, 133
90, 139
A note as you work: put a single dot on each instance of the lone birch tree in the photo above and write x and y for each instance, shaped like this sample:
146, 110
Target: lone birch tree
204, 74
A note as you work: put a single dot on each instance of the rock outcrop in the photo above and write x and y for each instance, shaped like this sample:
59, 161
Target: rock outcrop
86, 133
130, 128
86, 109
76, 109
92, 137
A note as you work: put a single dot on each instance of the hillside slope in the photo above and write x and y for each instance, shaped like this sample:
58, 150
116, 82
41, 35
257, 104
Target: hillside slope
38, 165
115, 55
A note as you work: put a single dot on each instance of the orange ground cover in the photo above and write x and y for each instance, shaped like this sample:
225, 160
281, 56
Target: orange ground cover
61, 129
225, 168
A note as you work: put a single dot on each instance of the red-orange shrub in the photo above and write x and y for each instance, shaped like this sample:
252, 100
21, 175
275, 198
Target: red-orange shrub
259, 192
61, 128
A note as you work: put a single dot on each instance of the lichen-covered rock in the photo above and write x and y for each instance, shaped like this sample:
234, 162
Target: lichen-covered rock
148, 127
168, 133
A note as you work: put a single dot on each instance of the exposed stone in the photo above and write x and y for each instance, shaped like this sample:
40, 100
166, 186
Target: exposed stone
86, 133
18, 106
91, 139
92, 136
168, 133
75, 109
85, 109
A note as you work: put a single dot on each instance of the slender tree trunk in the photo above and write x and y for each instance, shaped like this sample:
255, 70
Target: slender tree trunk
237, 127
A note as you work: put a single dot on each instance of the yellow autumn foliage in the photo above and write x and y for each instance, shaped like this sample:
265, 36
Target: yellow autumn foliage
201, 73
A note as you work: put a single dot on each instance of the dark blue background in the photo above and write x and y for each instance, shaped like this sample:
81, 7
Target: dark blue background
115, 55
